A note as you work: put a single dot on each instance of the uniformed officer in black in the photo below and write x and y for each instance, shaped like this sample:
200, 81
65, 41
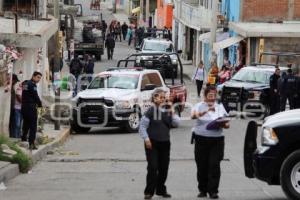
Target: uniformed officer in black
30, 102
274, 94
290, 87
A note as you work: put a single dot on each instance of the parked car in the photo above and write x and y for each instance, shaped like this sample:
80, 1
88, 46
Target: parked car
157, 46
249, 89
277, 160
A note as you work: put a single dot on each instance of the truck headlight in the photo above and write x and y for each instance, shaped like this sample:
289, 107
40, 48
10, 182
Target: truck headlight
174, 62
123, 105
269, 137
254, 95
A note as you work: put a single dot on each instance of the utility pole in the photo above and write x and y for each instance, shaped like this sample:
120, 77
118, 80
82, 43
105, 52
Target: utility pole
141, 13
213, 29
56, 70
147, 13
114, 6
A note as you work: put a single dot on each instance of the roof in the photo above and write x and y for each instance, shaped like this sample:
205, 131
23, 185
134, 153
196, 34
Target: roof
133, 71
268, 68
253, 29
158, 40
31, 33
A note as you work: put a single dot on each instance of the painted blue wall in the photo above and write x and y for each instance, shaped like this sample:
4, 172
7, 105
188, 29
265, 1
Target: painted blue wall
231, 9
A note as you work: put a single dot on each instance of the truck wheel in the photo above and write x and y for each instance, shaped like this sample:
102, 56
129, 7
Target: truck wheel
78, 129
133, 123
290, 176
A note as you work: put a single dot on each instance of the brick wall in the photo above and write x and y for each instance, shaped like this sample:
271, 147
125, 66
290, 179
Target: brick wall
267, 10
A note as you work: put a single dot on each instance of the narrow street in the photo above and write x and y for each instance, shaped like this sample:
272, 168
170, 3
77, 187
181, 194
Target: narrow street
108, 164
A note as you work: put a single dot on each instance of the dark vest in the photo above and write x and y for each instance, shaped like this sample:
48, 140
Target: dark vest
160, 124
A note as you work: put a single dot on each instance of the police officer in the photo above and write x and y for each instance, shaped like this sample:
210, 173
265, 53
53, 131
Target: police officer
274, 94
155, 130
290, 94
30, 102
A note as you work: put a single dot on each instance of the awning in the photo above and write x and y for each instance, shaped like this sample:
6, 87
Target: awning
136, 10
227, 43
205, 37
252, 29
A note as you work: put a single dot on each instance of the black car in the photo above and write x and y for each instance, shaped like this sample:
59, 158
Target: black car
277, 160
248, 90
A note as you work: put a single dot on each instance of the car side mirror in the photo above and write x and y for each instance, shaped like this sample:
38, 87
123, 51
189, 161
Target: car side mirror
138, 48
149, 87
179, 51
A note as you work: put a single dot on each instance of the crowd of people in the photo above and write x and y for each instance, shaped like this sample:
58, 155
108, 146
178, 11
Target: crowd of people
284, 87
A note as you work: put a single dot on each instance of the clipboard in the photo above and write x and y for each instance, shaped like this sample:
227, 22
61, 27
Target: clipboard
217, 123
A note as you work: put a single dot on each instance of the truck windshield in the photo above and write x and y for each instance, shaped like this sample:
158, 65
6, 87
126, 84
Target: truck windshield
155, 46
115, 81
253, 76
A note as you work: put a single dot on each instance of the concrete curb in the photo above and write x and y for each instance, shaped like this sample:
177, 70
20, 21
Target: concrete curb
42, 151
9, 172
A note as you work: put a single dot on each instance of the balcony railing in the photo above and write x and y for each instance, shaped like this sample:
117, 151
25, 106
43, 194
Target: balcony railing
194, 16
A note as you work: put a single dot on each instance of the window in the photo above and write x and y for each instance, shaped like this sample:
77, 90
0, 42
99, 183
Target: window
155, 79
152, 78
115, 81
155, 46
145, 81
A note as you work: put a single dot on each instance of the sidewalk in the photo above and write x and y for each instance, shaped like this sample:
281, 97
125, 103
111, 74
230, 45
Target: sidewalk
9, 171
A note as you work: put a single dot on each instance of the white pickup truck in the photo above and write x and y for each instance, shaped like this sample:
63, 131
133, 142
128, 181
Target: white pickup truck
116, 97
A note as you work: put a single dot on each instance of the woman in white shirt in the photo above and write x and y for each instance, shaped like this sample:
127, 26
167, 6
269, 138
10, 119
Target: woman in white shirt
199, 77
209, 142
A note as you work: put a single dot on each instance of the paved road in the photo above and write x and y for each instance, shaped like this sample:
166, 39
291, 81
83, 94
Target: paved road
110, 164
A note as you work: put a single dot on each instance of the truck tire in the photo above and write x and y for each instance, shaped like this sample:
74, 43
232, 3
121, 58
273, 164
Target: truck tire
132, 125
78, 129
250, 145
290, 176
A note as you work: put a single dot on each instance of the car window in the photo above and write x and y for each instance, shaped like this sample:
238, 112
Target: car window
255, 76
155, 79
145, 81
155, 46
98, 82
115, 81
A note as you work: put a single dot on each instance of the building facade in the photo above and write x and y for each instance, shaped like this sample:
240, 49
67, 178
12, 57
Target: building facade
191, 19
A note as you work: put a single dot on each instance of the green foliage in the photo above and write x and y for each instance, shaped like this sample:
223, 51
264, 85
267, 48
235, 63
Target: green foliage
23, 160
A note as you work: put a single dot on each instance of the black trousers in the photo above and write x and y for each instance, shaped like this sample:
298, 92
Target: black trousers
290, 98
209, 153
199, 87
124, 35
29, 113
110, 53
158, 159
275, 103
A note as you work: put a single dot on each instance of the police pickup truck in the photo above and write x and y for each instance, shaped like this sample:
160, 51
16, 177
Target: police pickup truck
116, 97
277, 160
155, 47
249, 90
